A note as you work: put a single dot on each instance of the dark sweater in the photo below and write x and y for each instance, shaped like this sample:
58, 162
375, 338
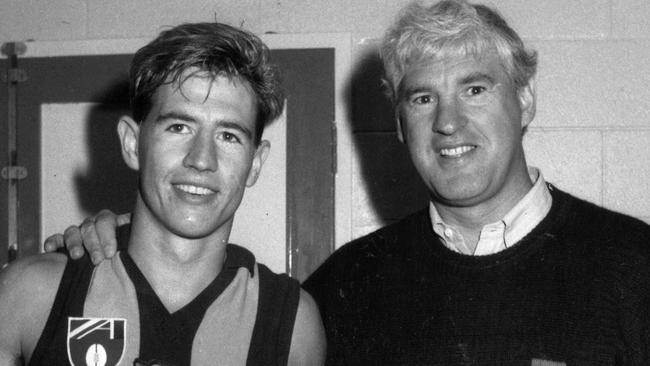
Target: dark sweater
574, 290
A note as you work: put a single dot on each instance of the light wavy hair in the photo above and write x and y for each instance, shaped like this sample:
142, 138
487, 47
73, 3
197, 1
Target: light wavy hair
452, 28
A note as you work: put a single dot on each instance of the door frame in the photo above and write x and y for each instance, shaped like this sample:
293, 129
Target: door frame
339, 42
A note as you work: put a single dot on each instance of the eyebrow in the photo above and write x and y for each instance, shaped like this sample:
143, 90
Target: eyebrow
405, 92
222, 123
467, 79
236, 126
477, 76
175, 115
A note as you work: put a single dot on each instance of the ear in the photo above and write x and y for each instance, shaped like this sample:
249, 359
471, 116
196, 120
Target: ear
129, 130
527, 101
261, 153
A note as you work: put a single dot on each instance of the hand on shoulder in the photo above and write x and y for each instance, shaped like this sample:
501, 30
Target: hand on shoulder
95, 235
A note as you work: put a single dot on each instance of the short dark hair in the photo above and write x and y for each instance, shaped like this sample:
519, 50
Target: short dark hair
215, 48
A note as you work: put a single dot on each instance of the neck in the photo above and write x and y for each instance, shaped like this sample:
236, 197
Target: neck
177, 268
471, 218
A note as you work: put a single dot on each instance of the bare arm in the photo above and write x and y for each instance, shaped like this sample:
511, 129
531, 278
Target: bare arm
308, 340
96, 234
27, 290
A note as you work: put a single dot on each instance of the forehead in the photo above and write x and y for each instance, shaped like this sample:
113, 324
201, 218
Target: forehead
455, 69
207, 97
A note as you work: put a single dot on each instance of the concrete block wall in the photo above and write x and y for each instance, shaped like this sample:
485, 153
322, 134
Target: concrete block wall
592, 131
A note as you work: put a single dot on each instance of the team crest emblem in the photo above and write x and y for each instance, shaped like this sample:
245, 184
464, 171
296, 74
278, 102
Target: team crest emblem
96, 341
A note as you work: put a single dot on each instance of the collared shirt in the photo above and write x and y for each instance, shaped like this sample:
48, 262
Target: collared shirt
497, 236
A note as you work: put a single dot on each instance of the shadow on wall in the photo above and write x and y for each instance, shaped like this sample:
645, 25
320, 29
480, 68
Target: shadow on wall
109, 182
393, 186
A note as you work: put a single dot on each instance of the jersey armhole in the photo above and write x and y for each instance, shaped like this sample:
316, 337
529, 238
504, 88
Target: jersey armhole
276, 314
69, 301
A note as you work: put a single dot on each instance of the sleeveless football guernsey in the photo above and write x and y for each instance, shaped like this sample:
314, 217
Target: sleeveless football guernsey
109, 315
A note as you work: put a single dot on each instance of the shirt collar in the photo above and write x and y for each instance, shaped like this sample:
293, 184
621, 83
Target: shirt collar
516, 224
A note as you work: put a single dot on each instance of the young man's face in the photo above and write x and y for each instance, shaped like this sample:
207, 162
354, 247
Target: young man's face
196, 154
462, 121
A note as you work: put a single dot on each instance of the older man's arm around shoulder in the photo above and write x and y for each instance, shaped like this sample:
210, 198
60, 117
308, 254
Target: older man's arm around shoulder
27, 290
308, 339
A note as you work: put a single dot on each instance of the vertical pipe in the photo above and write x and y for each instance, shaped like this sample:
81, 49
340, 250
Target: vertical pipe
12, 155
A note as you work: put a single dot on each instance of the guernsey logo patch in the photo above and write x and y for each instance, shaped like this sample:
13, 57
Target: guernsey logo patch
96, 341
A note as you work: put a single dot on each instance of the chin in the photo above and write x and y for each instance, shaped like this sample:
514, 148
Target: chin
461, 195
191, 229
192, 232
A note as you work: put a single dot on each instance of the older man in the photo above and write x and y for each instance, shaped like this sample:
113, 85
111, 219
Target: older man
501, 268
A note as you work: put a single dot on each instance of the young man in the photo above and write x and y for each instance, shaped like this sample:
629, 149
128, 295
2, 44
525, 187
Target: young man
500, 268
180, 294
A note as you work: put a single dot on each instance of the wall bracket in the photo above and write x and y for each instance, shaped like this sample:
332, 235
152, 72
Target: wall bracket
13, 172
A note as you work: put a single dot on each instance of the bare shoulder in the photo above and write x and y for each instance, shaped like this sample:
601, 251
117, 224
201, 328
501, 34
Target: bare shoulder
27, 290
32, 275
308, 340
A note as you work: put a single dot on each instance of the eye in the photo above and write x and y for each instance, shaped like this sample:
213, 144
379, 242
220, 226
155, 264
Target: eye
422, 99
229, 137
475, 90
178, 128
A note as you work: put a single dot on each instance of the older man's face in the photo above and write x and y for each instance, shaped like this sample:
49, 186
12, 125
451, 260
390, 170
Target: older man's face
462, 120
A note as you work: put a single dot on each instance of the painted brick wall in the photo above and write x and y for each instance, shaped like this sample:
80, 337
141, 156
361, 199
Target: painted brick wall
592, 131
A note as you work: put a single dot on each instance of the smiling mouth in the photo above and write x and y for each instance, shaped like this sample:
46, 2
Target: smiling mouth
199, 191
456, 151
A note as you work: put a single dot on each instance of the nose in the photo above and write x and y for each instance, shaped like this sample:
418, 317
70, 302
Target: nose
202, 153
449, 117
